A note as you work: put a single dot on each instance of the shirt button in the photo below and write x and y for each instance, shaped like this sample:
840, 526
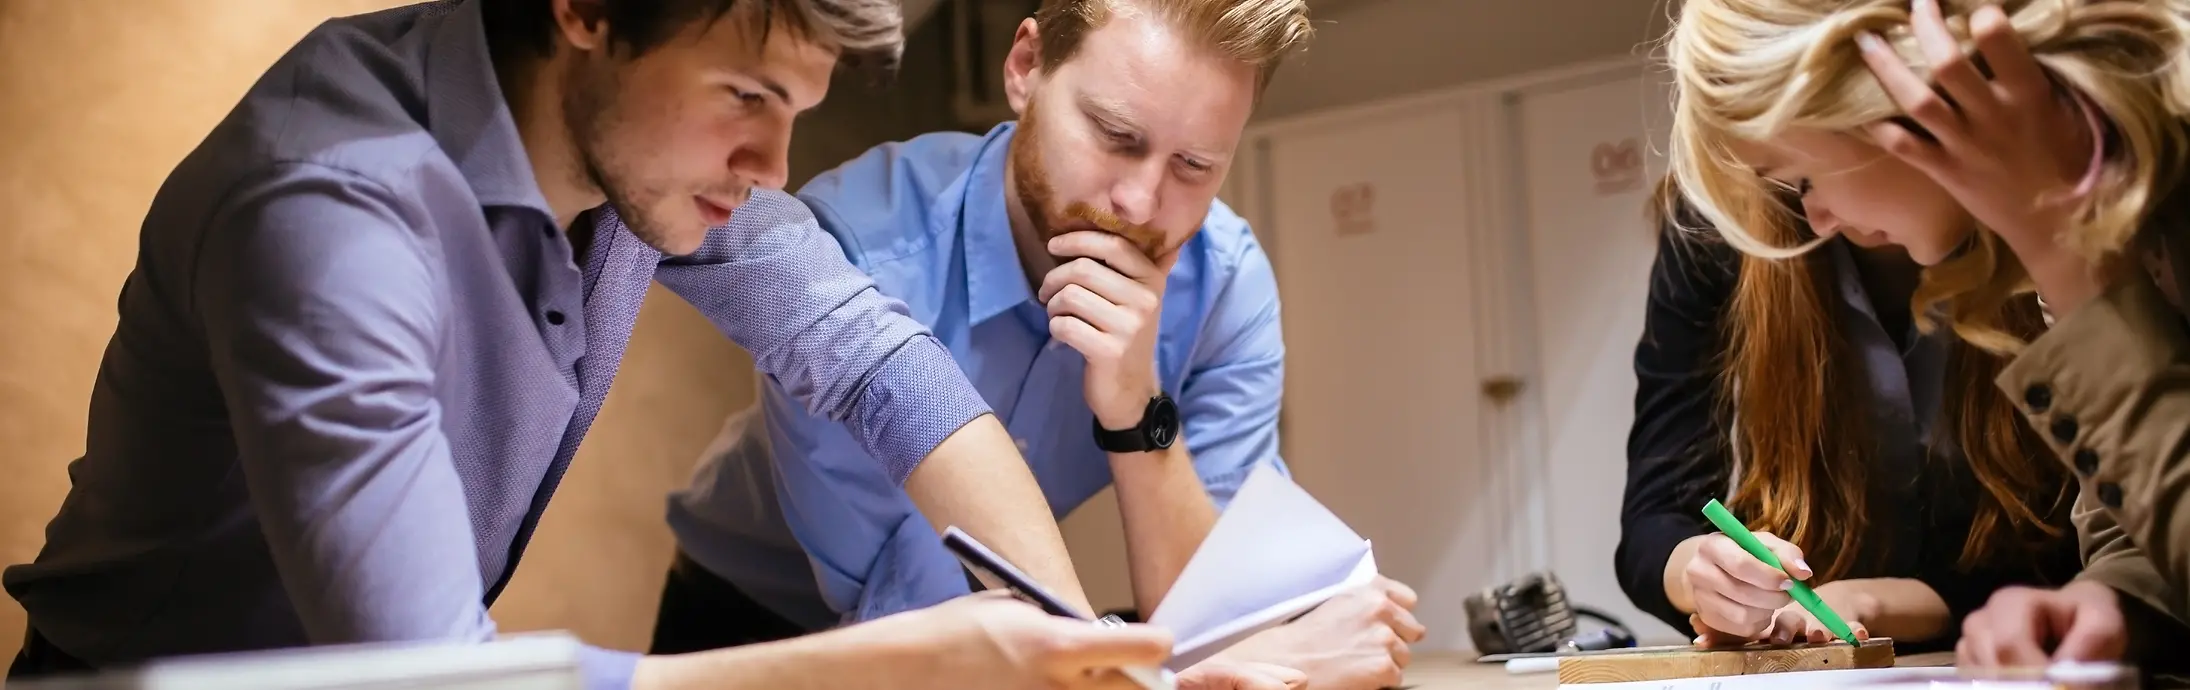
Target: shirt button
2110, 494
549, 230
2087, 462
1021, 443
555, 318
2064, 430
2038, 398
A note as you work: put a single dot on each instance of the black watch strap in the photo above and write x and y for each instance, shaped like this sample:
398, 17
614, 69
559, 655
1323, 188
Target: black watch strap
1159, 426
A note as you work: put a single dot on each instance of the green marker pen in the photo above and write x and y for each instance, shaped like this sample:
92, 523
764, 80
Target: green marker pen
1733, 528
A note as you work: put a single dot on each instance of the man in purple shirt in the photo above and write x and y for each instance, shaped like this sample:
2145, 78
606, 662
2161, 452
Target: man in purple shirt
374, 313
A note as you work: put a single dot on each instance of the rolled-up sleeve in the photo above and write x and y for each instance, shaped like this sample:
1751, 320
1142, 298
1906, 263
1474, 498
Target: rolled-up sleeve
322, 325
780, 287
1228, 404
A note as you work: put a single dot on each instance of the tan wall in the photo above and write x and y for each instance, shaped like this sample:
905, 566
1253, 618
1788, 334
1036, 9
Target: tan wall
98, 100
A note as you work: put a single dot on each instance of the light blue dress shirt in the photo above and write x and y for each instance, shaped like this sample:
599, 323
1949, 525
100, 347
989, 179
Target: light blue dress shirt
791, 510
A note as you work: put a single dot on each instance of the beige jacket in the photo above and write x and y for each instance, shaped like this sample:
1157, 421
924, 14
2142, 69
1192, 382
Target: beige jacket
2108, 387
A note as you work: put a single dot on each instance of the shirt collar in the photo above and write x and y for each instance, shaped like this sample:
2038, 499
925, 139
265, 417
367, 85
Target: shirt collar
995, 280
468, 118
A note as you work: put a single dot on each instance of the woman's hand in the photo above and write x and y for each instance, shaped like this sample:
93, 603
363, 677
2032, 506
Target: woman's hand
1848, 600
1737, 597
2010, 149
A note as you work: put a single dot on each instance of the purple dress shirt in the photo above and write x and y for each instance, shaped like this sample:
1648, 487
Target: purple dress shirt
356, 355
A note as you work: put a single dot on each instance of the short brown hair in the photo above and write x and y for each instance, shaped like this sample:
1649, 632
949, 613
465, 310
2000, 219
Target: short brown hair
869, 34
1258, 32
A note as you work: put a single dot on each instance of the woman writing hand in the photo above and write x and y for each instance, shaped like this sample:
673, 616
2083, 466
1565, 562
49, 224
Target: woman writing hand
1738, 599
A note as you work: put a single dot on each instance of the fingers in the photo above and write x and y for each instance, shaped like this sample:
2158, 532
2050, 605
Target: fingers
1790, 556
1103, 314
2094, 627
1398, 591
2007, 631
1951, 68
1084, 338
1104, 281
1243, 675
1923, 105
1725, 615
1077, 644
1110, 249
2016, 74
1402, 622
1735, 574
1707, 636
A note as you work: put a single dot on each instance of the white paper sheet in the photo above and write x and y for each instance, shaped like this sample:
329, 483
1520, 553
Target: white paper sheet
1274, 553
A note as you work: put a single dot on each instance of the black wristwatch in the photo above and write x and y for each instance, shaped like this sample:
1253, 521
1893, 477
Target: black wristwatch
1158, 428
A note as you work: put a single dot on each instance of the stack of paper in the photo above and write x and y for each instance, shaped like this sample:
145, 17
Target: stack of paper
1274, 553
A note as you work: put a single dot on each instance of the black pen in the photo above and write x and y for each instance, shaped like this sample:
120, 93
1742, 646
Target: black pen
982, 561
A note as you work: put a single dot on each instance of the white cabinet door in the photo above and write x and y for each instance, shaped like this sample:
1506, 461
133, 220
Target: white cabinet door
1590, 155
1373, 218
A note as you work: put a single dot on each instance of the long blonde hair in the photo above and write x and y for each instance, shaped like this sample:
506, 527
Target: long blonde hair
1792, 386
1749, 70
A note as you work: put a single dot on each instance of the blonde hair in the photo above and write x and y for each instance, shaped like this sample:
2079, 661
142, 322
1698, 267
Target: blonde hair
1748, 70
1258, 32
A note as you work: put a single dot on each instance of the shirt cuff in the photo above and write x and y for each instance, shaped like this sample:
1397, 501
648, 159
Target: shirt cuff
917, 398
607, 669
2086, 384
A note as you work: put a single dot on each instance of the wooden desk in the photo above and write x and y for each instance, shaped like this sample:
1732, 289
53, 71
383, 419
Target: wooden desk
1455, 672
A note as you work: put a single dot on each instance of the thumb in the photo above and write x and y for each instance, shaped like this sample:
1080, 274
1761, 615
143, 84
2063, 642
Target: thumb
1789, 555
1084, 645
2086, 634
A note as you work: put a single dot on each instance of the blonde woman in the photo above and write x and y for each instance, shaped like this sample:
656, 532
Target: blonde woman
2040, 148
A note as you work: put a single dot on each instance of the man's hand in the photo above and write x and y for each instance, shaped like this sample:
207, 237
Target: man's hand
1356, 641
985, 641
2022, 626
1226, 674
994, 641
1107, 304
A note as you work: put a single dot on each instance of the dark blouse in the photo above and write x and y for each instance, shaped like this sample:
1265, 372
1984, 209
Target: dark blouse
1677, 457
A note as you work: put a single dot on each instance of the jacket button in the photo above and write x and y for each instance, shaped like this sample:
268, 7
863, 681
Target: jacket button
2087, 462
2038, 398
2064, 430
555, 318
2110, 494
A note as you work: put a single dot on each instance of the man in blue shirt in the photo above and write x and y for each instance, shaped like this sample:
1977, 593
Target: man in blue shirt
1079, 269
375, 312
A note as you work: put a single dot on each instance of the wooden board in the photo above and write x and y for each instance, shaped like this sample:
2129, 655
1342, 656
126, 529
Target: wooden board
1875, 653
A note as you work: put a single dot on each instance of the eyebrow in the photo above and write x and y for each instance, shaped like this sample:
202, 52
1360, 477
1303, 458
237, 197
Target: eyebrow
1108, 109
773, 87
1115, 110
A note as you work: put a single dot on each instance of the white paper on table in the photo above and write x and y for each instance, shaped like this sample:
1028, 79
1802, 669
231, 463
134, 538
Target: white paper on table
1274, 553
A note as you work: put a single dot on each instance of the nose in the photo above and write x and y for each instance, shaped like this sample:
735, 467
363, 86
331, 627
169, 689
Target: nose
1133, 195
764, 160
1821, 218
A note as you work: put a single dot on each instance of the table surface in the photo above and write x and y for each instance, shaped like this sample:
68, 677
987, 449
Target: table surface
1453, 672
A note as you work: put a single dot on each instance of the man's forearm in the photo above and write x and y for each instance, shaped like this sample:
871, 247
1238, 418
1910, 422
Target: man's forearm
854, 657
976, 480
1167, 513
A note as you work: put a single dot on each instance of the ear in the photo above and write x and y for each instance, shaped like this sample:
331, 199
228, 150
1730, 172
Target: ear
582, 23
1023, 66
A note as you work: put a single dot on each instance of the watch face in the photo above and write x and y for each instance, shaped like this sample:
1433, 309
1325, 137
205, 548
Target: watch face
1164, 422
